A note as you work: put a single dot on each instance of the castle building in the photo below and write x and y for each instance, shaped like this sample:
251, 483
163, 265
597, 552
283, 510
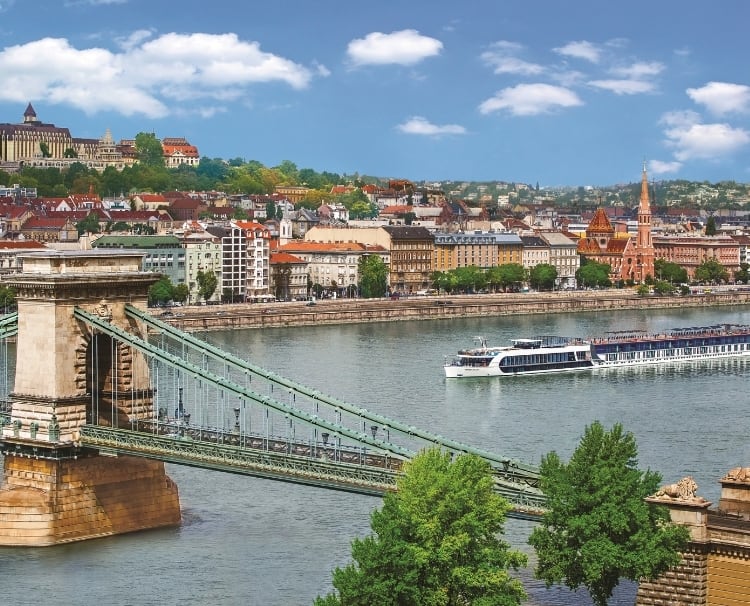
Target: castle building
36, 143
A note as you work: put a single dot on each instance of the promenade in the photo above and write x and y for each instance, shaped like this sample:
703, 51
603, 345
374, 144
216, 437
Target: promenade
342, 311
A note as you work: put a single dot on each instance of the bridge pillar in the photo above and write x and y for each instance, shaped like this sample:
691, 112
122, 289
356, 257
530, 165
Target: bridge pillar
68, 375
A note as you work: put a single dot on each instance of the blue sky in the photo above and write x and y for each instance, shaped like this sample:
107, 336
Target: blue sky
548, 92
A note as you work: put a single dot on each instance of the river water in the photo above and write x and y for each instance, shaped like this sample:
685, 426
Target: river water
247, 541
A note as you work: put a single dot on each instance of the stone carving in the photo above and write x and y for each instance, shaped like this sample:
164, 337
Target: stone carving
684, 490
738, 474
103, 311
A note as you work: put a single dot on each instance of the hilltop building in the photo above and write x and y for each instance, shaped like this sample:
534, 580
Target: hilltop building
36, 143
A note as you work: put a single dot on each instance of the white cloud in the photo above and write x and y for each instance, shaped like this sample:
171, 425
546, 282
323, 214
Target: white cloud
530, 99
134, 39
722, 97
624, 87
501, 58
421, 126
150, 77
405, 47
659, 167
580, 50
705, 141
638, 70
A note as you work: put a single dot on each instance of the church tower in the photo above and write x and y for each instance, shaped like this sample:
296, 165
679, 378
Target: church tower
643, 251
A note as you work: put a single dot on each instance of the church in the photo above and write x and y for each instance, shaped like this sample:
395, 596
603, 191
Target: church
631, 259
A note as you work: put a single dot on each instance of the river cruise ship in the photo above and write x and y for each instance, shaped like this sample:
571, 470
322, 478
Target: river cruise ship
543, 355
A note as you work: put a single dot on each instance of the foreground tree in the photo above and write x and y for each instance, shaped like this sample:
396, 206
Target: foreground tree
435, 541
598, 528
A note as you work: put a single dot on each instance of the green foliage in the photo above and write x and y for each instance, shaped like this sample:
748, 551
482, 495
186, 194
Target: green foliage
373, 276
7, 298
662, 287
436, 541
88, 225
149, 150
642, 290
711, 226
598, 528
470, 279
44, 148
444, 281
543, 276
508, 275
161, 292
593, 275
207, 283
742, 275
711, 271
180, 292
671, 272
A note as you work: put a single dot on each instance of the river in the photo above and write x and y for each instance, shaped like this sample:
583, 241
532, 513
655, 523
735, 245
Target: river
250, 542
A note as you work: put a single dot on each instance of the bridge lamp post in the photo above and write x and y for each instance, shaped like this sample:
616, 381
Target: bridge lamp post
324, 435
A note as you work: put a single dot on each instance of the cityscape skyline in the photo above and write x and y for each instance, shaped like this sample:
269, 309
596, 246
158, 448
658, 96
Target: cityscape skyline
532, 92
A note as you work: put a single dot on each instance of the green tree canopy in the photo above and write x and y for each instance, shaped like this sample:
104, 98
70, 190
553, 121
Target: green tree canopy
711, 226
543, 276
161, 292
507, 275
598, 528
149, 150
592, 274
711, 271
207, 283
373, 276
671, 272
435, 541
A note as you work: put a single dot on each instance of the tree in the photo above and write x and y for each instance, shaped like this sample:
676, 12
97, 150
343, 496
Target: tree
149, 150
207, 283
711, 226
7, 298
711, 271
742, 274
671, 272
435, 541
88, 225
180, 292
543, 276
44, 148
597, 527
507, 275
373, 276
161, 292
592, 274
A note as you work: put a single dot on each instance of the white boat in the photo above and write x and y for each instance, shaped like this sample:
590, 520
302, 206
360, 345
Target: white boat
539, 355
543, 355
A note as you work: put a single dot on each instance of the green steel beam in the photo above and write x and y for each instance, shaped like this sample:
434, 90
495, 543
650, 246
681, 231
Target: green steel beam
225, 384
247, 461
320, 472
522, 469
9, 325
515, 480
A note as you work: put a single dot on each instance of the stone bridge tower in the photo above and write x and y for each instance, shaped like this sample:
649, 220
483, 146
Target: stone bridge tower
67, 375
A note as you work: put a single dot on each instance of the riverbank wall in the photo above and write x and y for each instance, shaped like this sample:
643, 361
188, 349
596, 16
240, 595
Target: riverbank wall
347, 311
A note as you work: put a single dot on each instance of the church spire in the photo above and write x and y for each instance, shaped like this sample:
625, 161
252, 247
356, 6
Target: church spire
645, 206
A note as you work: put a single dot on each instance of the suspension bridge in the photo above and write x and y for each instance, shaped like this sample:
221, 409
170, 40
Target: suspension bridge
113, 383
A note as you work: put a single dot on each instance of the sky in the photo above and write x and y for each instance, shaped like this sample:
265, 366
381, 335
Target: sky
541, 92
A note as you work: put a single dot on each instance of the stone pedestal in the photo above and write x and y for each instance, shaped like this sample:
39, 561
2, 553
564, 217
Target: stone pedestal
48, 502
68, 374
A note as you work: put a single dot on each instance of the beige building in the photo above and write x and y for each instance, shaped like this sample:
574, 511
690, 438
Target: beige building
410, 249
563, 256
334, 265
480, 249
